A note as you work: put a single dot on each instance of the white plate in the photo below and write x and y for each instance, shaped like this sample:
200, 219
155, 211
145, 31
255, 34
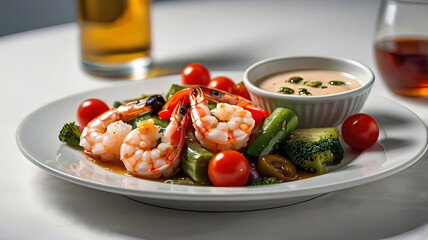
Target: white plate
403, 140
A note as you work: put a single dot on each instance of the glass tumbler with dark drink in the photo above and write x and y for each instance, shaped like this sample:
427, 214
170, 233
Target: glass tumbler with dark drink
401, 46
115, 37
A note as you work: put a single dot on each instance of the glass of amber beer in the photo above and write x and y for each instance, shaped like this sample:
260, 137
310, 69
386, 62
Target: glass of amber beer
115, 37
401, 46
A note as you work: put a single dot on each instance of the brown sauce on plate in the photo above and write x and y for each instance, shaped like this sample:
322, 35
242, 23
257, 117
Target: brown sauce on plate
119, 168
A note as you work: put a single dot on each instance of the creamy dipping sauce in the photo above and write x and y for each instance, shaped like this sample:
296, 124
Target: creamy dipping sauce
309, 82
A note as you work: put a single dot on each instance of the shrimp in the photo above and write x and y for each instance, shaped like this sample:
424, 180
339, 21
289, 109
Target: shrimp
144, 156
225, 127
217, 96
103, 136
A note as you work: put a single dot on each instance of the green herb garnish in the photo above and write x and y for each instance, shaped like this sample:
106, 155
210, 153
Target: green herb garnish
264, 181
314, 84
336, 82
304, 91
324, 87
286, 90
295, 79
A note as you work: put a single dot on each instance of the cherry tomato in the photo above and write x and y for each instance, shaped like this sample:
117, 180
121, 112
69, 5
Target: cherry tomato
90, 109
360, 131
228, 168
240, 90
195, 74
222, 83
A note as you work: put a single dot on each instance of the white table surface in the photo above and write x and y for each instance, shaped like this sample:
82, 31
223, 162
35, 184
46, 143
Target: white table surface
41, 66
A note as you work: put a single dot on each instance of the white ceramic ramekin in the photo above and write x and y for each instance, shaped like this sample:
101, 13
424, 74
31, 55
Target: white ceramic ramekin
313, 111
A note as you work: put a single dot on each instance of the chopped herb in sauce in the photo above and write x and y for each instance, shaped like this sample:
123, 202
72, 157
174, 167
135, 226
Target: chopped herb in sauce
305, 82
304, 91
286, 90
336, 82
295, 79
324, 87
314, 84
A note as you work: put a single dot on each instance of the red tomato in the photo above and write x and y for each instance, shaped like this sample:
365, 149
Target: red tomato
258, 114
240, 90
195, 74
360, 131
90, 109
164, 114
228, 169
222, 83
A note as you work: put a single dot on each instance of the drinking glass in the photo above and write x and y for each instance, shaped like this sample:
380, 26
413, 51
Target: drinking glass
401, 46
115, 37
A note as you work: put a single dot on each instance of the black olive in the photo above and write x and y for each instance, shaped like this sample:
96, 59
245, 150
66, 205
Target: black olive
254, 174
156, 101
150, 100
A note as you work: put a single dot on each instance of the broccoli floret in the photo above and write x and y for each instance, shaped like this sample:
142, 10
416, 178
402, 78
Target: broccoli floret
333, 145
70, 134
313, 149
264, 181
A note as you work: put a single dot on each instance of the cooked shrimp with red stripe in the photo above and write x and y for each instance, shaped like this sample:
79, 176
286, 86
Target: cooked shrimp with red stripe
148, 152
226, 127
